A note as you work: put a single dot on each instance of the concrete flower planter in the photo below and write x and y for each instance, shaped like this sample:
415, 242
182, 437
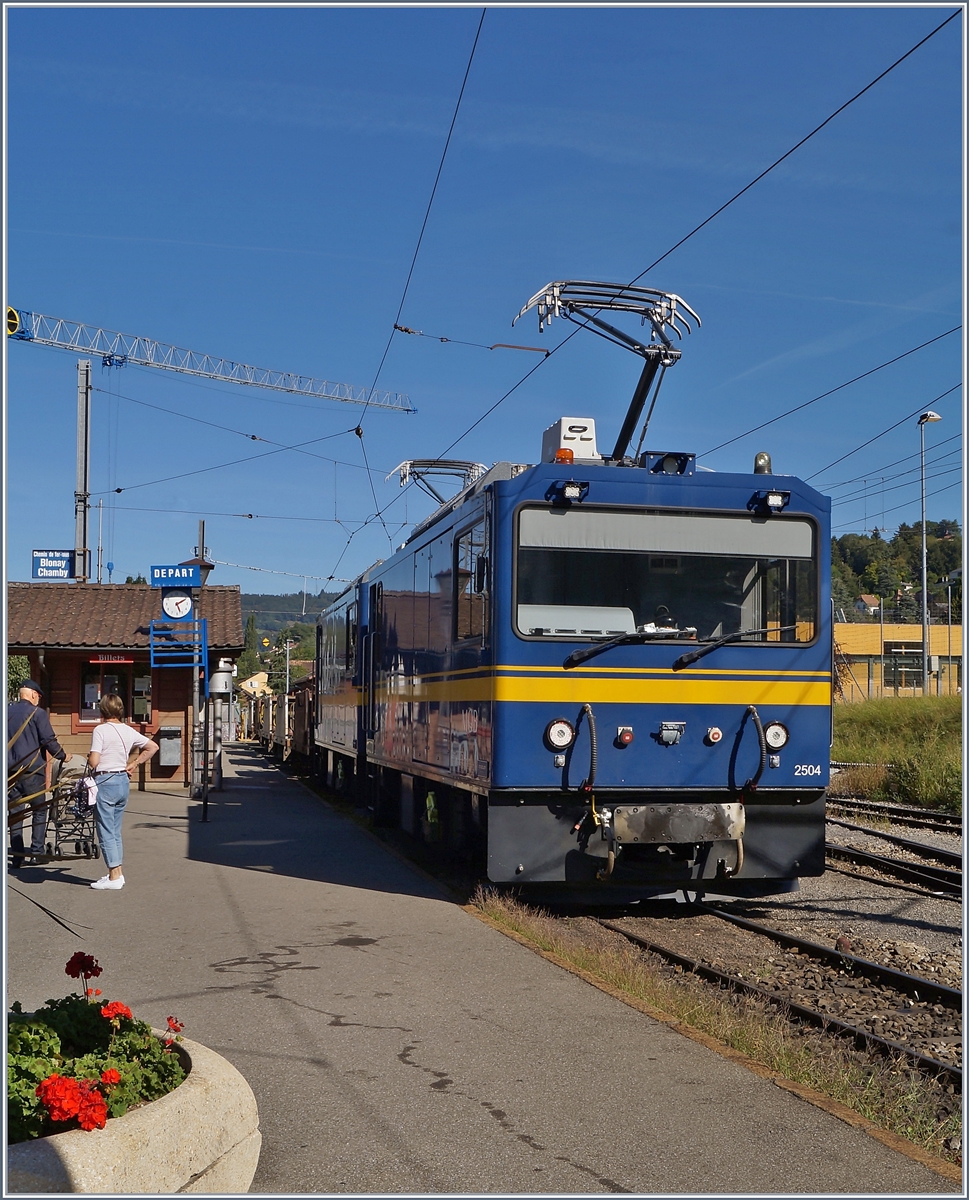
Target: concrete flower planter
202, 1137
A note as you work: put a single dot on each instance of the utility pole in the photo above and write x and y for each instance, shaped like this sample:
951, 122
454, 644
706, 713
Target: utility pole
100, 513
82, 485
881, 640
924, 419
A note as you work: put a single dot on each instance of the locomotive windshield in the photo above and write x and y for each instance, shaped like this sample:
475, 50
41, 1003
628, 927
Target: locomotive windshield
586, 573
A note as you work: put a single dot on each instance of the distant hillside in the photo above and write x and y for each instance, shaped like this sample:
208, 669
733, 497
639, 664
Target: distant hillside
275, 612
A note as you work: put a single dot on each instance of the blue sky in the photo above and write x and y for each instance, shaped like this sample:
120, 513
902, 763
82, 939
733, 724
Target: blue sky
250, 183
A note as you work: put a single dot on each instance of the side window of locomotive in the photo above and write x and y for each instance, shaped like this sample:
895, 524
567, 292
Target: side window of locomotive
471, 583
350, 639
586, 573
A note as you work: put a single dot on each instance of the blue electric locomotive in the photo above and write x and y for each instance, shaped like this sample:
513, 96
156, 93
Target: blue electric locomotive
609, 673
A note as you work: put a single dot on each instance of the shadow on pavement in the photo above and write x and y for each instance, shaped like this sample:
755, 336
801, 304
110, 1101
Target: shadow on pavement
264, 821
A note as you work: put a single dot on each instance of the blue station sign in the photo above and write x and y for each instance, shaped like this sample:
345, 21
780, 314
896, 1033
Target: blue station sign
52, 564
175, 577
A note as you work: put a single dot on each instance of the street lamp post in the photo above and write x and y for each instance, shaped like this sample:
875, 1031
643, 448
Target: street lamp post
924, 419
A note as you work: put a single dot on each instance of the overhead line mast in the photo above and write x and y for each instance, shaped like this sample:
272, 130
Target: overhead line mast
119, 349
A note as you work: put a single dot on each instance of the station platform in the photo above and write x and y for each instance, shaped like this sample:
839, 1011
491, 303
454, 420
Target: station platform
395, 1044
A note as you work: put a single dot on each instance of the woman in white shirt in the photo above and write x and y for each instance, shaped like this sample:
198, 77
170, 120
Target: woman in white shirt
111, 745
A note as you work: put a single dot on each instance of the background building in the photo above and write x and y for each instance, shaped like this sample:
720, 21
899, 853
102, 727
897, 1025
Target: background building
85, 640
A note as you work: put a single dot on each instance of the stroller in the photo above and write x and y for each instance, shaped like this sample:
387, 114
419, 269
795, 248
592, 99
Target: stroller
71, 817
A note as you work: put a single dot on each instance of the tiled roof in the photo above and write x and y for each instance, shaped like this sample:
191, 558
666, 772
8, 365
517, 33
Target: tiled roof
114, 615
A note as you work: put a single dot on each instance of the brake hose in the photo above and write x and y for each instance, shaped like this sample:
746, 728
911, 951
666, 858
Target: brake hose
751, 783
586, 711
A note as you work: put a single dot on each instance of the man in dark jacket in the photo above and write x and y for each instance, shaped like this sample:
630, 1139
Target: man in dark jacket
29, 729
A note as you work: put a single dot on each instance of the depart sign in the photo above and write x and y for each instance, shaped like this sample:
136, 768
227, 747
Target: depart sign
176, 576
53, 564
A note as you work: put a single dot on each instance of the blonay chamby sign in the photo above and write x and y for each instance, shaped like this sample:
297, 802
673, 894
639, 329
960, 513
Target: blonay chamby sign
52, 564
175, 576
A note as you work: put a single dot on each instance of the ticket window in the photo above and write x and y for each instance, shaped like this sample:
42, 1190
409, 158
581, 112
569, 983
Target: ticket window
101, 679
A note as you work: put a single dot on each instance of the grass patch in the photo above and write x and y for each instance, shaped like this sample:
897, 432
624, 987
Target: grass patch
889, 1095
915, 743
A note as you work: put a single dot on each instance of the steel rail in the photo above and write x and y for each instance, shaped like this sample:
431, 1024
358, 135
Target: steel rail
862, 1039
952, 857
955, 897
922, 818
912, 985
939, 879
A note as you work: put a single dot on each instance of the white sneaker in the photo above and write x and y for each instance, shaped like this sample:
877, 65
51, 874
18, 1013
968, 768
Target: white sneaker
107, 884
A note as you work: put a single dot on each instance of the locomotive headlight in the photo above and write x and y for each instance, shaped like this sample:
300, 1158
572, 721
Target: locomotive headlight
776, 735
559, 734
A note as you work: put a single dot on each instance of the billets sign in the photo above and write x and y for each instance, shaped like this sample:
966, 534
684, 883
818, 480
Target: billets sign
175, 576
53, 564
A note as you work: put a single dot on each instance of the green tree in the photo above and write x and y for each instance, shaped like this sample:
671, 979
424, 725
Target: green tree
302, 648
18, 669
139, 578
249, 658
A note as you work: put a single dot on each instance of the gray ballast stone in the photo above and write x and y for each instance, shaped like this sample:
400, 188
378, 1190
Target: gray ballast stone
202, 1137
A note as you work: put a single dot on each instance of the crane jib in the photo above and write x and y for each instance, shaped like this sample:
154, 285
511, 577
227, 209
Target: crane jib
118, 349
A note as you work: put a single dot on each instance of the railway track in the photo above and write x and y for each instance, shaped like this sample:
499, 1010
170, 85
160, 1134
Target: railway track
951, 858
934, 879
916, 818
866, 992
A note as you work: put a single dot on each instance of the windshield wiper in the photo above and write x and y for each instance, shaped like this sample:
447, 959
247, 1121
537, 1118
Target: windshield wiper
644, 635
686, 659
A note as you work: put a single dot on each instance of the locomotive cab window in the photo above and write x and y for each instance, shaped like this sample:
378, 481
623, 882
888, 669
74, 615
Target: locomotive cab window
587, 573
471, 583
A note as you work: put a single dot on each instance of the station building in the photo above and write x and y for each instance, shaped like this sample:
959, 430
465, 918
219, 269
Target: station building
85, 640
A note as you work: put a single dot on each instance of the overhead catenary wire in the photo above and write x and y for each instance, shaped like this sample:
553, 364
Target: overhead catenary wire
219, 466
252, 437
667, 253
908, 417
887, 466
427, 214
854, 497
864, 492
273, 571
830, 392
716, 213
938, 492
817, 129
198, 512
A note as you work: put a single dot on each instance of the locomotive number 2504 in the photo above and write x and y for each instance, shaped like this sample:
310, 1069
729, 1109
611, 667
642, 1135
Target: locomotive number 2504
807, 769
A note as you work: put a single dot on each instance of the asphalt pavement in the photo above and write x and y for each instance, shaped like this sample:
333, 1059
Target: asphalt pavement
394, 1043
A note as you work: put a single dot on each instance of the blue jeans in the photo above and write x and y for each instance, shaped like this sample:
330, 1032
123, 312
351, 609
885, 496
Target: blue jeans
112, 798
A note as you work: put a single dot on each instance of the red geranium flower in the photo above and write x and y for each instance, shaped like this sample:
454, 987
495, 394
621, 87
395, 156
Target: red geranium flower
92, 1112
175, 1026
110, 1076
82, 964
60, 1095
116, 1009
